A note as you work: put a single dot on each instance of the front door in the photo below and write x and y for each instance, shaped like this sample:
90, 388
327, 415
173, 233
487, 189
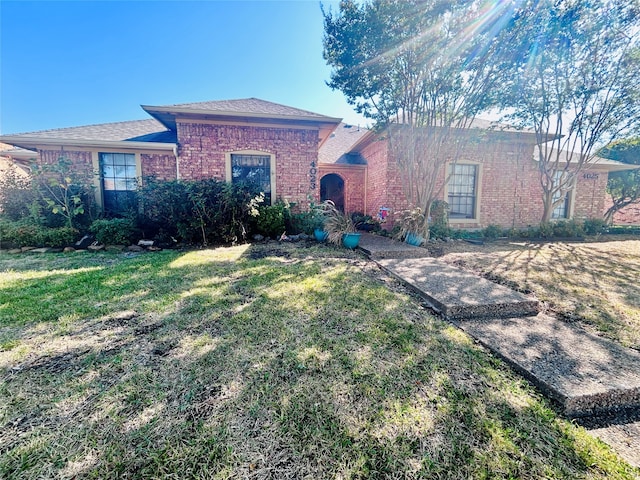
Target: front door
332, 188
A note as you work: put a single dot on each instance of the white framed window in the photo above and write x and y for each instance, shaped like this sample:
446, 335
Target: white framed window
462, 191
562, 208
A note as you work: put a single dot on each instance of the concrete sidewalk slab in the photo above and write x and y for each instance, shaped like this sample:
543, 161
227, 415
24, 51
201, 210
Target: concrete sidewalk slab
459, 294
377, 246
586, 374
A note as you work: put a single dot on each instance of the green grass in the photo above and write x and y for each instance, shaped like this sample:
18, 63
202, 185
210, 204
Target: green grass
257, 362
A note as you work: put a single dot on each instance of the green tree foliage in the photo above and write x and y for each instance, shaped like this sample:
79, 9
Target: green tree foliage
62, 190
570, 69
565, 69
623, 186
425, 64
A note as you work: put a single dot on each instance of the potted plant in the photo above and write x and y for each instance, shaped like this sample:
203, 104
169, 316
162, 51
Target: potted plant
411, 224
317, 222
340, 227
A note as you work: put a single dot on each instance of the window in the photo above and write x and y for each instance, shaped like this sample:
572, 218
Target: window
119, 183
254, 169
462, 190
561, 210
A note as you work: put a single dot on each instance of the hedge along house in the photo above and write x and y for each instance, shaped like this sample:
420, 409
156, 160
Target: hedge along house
493, 177
296, 155
275, 145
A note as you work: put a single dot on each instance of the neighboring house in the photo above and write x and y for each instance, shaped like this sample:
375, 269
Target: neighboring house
299, 156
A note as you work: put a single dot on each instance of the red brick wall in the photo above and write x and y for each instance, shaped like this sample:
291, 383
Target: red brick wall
384, 186
82, 161
629, 215
510, 191
354, 183
161, 166
203, 148
589, 198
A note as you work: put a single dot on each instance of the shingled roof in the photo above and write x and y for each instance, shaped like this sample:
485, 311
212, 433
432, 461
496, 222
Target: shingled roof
246, 105
339, 145
149, 130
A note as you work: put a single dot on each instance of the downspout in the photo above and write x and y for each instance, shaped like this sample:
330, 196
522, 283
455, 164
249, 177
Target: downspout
175, 153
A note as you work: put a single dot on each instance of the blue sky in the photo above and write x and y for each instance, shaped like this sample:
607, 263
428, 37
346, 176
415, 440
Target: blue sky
81, 62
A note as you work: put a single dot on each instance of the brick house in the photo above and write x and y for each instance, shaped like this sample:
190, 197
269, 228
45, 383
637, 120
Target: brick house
296, 155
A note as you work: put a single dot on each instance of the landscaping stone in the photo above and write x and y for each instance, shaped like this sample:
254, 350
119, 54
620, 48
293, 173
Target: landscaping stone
26, 249
145, 243
40, 250
84, 242
69, 249
135, 248
95, 248
114, 248
13, 251
154, 249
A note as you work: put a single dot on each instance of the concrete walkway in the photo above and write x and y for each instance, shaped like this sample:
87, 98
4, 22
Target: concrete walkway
585, 374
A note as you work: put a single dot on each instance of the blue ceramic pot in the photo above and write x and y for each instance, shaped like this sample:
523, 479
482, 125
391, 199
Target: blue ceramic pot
351, 240
414, 239
320, 234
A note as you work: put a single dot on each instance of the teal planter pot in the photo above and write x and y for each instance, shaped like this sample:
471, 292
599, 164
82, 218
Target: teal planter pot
414, 239
320, 235
351, 240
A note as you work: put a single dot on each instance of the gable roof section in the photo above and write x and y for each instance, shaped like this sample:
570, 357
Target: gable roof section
147, 133
338, 149
247, 110
247, 106
159, 133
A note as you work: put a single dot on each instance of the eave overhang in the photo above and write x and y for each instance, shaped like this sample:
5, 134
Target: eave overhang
35, 142
168, 116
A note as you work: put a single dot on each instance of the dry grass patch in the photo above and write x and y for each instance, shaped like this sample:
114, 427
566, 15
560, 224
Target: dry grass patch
594, 283
257, 362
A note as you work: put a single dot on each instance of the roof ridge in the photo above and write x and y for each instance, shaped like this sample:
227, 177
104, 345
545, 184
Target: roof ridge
239, 101
122, 122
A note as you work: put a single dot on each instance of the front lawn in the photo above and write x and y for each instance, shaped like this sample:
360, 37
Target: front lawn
276, 361
596, 283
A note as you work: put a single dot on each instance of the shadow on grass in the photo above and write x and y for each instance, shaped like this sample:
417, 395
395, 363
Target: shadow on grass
279, 363
595, 284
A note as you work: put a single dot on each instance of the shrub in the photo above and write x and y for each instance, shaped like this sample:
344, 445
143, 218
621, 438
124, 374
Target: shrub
201, 211
25, 233
270, 220
56, 237
545, 231
16, 195
491, 232
595, 226
113, 231
365, 222
568, 228
302, 222
439, 220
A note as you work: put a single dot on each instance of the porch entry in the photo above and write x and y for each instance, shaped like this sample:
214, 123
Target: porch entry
332, 188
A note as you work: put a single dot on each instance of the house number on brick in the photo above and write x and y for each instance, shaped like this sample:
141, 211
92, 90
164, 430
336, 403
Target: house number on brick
591, 176
313, 175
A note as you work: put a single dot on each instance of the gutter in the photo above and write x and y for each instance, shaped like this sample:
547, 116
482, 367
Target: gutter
30, 142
